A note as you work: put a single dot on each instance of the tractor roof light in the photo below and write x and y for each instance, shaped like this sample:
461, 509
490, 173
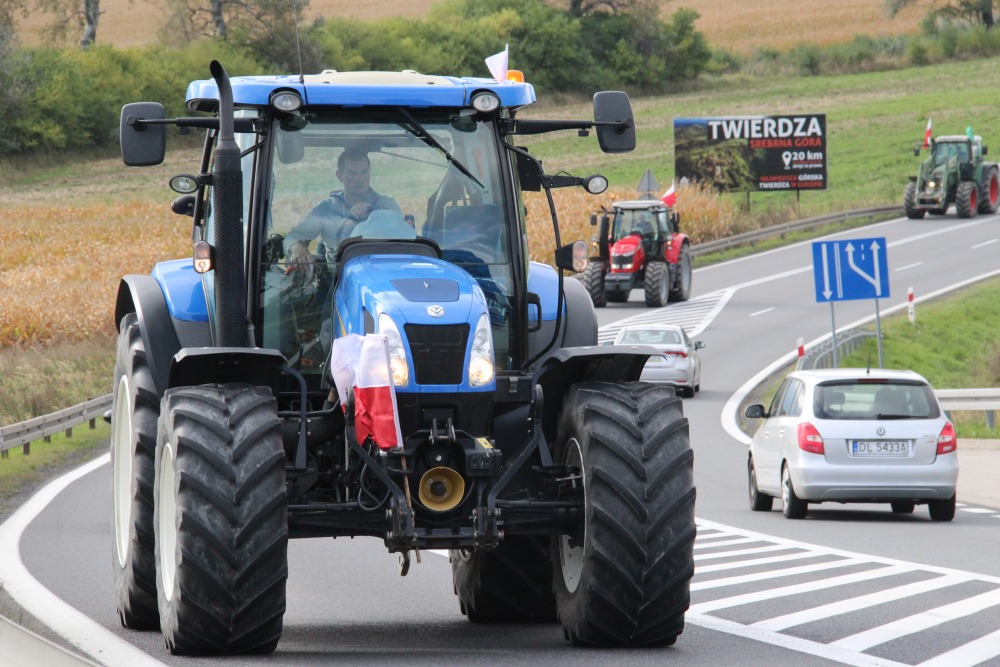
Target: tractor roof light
397, 353
481, 369
515, 76
485, 102
202, 257
286, 101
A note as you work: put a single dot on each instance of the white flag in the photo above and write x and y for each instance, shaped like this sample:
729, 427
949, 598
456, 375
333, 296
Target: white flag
498, 64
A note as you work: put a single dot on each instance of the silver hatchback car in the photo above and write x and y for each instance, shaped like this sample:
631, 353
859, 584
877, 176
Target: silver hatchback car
680, 365
853, 436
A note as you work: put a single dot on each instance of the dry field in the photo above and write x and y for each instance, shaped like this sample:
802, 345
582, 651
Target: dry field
740, 26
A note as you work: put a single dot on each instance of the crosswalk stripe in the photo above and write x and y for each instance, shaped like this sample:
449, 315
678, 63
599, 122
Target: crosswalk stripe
858, 603
711, 536
743, 552
705, 569
967, 655
726, 543
775, 574
694, 316
919, 622
807, 587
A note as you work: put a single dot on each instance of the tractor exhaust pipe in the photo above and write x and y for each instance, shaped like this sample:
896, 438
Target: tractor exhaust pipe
227, 203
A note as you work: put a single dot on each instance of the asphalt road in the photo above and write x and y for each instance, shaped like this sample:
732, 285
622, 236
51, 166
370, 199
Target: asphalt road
859, 579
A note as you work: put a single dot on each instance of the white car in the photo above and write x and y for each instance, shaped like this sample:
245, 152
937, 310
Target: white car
854, 436
680, 367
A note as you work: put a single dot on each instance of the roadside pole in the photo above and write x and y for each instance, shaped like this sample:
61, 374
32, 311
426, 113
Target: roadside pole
911, 308
833, 328
878, 333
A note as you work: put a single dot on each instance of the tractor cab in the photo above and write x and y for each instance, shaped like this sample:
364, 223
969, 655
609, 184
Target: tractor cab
639, 229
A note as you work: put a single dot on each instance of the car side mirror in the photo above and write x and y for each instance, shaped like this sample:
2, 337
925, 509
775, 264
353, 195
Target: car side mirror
755, 411
698, 345
614, 106
610, 342
143, 145
916, 151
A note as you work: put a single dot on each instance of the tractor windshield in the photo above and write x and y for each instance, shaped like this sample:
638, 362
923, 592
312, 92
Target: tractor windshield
350, 173
650, 225
944, 151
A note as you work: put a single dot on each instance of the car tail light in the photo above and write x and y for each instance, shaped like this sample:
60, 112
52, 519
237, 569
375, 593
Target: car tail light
809, 439
947, 441
677, 353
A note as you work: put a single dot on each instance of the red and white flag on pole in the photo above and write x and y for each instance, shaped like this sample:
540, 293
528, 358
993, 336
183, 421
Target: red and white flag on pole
927, 137
670, 196
361, 364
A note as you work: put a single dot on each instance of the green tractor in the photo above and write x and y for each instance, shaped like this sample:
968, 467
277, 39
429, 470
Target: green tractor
955, 173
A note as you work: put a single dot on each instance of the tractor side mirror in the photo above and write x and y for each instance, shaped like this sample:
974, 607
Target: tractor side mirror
614, 106
572, 257
985, 150
675, 222
528, 174
183, 205
593, 219
291, 148
916, 151
143, 145
755, 412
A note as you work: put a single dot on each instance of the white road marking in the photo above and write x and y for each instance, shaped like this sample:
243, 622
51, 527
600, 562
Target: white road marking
967, 655
694, 316
985, 244
908, 266
76, 627
858, 603
725, 543
741, 552
712, 536
977, 510
776, 574
796, 589
919, 622
767, 560
761, 312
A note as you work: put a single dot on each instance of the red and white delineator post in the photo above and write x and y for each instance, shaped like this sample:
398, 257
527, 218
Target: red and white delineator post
910, 306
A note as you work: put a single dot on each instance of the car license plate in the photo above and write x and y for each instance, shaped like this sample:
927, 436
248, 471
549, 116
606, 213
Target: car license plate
880, 448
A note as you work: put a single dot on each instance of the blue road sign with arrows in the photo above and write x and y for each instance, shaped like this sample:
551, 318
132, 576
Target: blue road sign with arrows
850, 269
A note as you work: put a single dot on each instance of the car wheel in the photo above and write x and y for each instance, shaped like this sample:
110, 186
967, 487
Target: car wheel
697, 387
758, 501
793, 506
942, 510
903, 507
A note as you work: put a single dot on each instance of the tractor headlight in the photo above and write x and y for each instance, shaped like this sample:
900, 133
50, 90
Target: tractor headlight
397, 353
481, 370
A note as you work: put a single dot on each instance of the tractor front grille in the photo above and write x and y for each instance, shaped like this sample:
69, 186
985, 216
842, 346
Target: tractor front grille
438, 352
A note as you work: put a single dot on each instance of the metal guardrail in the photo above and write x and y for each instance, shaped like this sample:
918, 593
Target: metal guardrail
756, 235
24, 433
20, 647
987, 400
821, 356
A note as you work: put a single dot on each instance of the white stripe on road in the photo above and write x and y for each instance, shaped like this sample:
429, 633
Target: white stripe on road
761, 312
858, 603
796, 589
967, 655
726, 543
977, 510
776, 574
742, 552
77, 628
753, 562
919, 622
712, 536
694, 316
984, 244
908, 266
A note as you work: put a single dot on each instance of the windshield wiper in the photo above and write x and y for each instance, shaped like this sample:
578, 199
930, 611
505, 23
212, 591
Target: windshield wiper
882, 416
428, 139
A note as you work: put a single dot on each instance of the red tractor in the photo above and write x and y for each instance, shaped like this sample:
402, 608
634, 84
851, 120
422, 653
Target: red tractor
639, 246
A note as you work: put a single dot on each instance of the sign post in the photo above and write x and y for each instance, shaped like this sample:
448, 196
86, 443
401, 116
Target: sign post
848, 271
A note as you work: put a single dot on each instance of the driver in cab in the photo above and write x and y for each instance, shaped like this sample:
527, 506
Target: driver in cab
347, 212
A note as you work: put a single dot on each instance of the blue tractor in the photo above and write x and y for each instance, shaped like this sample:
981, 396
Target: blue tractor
386, 203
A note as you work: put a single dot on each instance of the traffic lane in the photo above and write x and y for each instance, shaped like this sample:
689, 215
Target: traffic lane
347, 604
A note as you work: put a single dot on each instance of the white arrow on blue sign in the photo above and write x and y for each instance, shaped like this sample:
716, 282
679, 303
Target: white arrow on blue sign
851, 269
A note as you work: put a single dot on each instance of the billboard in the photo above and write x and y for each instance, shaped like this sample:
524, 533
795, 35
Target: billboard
753, 153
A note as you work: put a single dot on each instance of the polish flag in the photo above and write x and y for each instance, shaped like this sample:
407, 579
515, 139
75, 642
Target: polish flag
361, 364
927, 137
670, 196
497, 64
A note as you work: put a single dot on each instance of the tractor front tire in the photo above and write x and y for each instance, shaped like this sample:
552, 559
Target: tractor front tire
989, 192
966, 199
136, 408
593, 280
510, 584
681, 289
626, 581
657, 284
910, 202
221, 520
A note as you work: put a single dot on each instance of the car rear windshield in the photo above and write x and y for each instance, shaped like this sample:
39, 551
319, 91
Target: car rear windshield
874, 399
650, 338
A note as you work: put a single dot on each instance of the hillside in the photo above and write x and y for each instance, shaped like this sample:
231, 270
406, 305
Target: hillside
737, 26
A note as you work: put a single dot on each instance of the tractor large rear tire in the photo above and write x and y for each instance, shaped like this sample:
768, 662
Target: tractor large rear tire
681, 289
221, 520
910, 202
966, 199
511, 584
657, 284
989, 192
628, 584
593, 280
136, 408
